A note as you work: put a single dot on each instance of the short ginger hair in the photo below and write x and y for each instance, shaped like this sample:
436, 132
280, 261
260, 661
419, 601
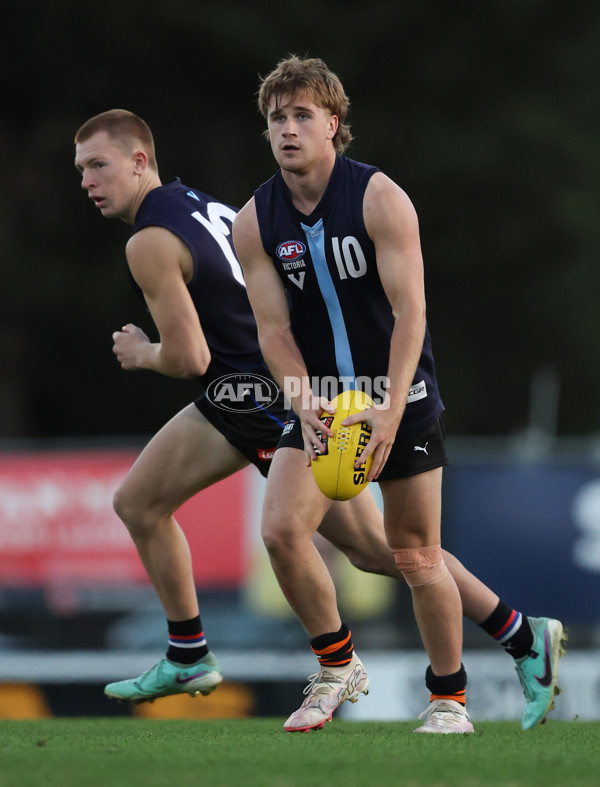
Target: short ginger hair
124, 128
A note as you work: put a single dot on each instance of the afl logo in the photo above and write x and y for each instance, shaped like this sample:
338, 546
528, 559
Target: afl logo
241, 392
291, 250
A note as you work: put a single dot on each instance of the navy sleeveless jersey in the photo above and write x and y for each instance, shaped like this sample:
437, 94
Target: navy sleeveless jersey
217, 286
341, 318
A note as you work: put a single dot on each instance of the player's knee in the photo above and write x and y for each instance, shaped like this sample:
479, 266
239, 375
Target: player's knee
282, 539
122, 505
135, 518
421, 565
277, 543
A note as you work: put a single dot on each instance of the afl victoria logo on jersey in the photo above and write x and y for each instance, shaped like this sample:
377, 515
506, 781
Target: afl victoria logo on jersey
291, 250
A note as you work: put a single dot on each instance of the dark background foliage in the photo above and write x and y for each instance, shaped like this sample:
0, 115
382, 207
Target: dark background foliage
486, 113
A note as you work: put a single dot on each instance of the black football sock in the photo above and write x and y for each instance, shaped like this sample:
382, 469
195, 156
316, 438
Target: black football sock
334, 649
447, 687
187, 643
511, 629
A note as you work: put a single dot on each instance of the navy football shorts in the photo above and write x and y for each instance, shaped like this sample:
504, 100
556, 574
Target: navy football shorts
254, 434
410, 455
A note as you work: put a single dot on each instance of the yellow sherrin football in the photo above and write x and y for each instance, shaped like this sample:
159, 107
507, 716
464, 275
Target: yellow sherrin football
334, 470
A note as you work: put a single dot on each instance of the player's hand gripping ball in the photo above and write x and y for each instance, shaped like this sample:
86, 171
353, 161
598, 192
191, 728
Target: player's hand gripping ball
334, 470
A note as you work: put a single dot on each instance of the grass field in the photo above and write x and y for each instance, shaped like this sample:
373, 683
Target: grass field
256, 753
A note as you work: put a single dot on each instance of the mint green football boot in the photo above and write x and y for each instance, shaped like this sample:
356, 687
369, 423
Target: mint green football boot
538, 671
167, 678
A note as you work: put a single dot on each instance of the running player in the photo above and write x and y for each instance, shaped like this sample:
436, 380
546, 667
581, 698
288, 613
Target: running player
180, 259
352, 308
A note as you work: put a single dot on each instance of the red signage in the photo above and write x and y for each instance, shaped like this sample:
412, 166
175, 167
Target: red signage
57, 523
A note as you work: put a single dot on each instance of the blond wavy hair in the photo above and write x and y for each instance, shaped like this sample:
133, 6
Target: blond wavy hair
294, 75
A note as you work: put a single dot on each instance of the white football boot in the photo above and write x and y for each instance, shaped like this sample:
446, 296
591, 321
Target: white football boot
326, 692
445, 716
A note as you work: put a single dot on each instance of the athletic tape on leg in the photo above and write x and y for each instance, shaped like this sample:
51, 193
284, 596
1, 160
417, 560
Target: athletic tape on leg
421, 565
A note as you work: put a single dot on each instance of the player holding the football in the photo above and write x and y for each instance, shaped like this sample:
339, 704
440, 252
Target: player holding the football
179, 254
353, 307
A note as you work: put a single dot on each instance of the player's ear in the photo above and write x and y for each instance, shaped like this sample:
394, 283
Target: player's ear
140, 161
333, 126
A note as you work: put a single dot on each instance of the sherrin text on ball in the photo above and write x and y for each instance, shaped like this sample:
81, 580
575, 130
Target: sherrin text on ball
334, 469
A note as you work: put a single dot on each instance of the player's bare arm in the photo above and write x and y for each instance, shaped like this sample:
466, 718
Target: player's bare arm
392, 224
278, 346
161, 265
